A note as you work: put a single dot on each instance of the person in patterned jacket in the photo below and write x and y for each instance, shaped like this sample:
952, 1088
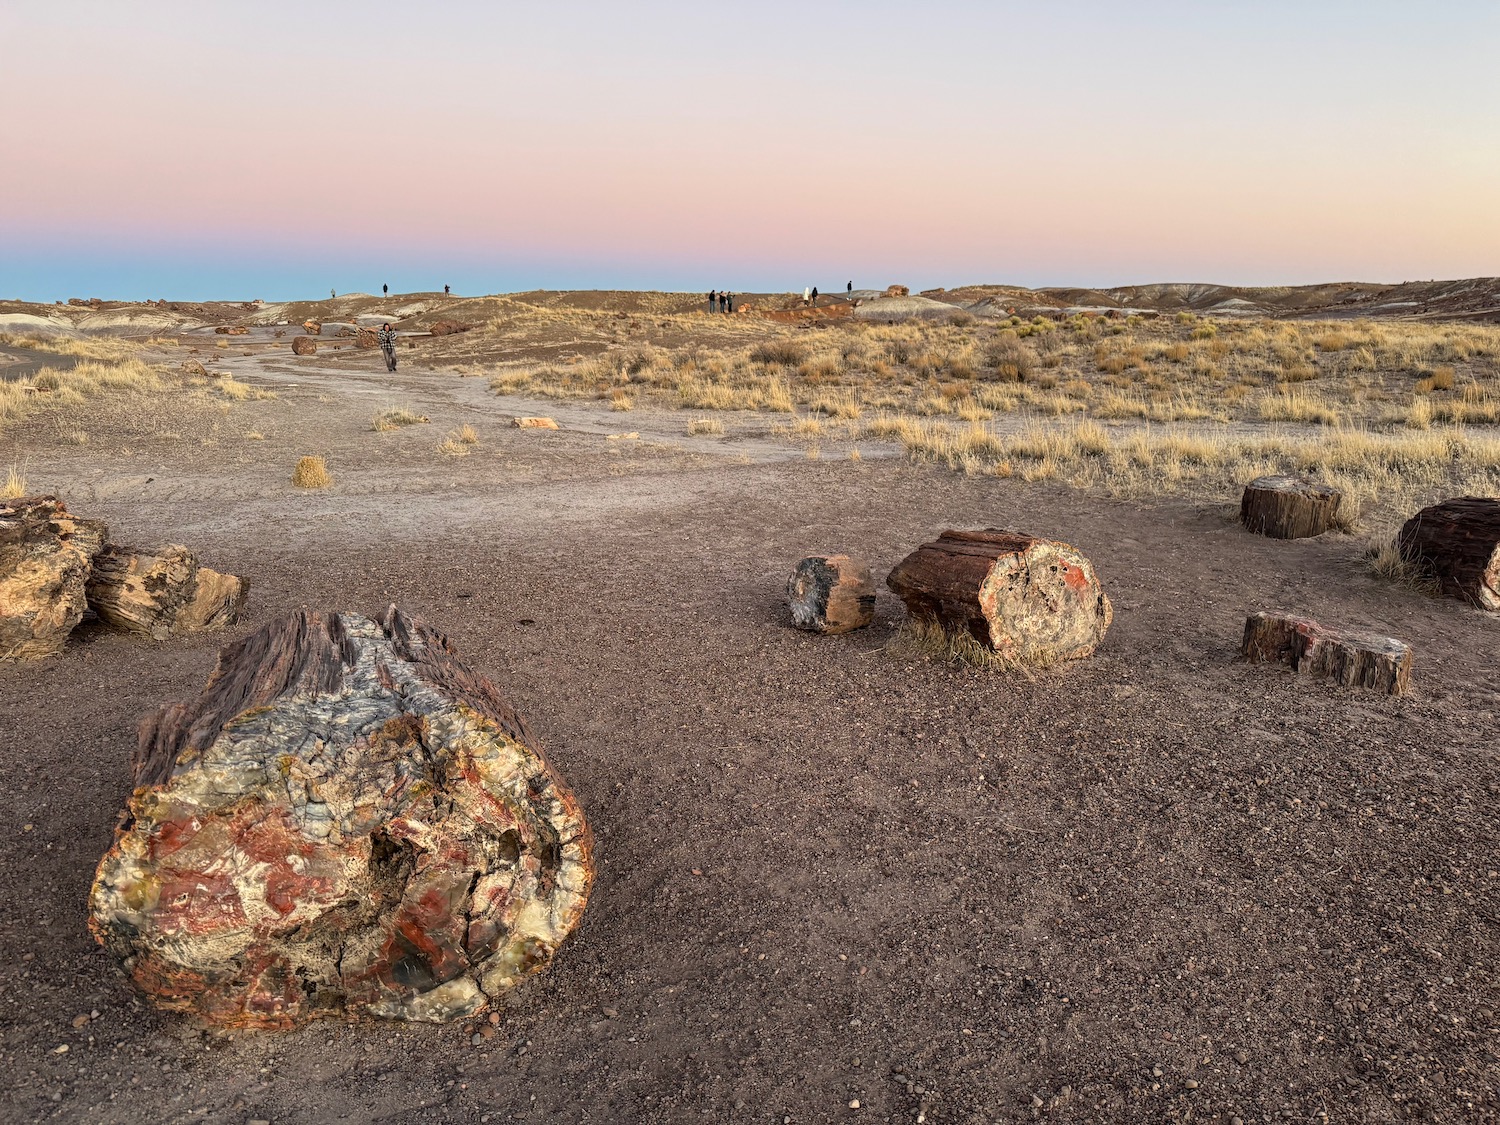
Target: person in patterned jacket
387, 340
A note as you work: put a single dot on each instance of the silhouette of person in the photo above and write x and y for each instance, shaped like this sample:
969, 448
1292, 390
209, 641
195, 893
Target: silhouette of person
806, 295
713, 301
331, 294
729, 302
386, 338
385, 290
850, 289
815, 296
445, 291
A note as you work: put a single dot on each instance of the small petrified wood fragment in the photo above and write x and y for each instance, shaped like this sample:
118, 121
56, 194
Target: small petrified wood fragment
831, 594
162, 592
348, 821
1353, 659
1289, 507
1457, 544
45, 555
1033, 600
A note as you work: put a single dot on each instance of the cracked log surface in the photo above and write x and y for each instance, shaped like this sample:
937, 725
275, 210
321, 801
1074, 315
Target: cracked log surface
1034, 600
1289, 507
831, 594
161, 592
45, 556
1350, 658
1457, 543
348, 821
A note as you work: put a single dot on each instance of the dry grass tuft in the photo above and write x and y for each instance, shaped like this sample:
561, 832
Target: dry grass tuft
394, 417
13, 487
929, 640
312, 472
705, 426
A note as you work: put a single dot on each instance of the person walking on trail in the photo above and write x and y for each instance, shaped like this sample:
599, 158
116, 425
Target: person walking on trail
806, 295
815, 296
386, 338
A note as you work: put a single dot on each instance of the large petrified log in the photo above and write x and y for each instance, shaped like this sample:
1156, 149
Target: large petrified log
1353, 659
1457, 544
348, 821
1289, 507
831, 594
161, 592
1032, 600
45, 555
304, 345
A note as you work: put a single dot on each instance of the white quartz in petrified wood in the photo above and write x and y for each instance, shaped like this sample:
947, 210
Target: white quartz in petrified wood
831, 594
1034, 600
348, 821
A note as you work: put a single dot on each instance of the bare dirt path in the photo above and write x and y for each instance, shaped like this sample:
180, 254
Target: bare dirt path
1161, 885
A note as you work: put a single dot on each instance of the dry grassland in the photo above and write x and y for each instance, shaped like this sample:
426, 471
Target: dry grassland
1383, 409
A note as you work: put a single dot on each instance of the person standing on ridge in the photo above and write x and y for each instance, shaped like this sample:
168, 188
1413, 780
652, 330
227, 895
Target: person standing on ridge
445, 291
815, 296
385, 290
386, 338
729, 302
849, 290
331, 294
806, 295
713, 299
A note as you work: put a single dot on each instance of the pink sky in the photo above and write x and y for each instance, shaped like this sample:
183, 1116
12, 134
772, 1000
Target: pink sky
765, 146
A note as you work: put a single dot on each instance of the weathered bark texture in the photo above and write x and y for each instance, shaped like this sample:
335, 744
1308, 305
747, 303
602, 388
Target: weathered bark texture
366, 338
1457, 544
831, 594
161, 592
304, 345
45, 555
1289, 507
348, 821
1353, 659
1030, 599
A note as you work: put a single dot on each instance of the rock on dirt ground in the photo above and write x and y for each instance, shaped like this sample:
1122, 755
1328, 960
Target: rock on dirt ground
1160, 883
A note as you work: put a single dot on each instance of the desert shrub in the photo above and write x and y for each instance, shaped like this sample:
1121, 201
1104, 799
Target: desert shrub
786, 353
312, 472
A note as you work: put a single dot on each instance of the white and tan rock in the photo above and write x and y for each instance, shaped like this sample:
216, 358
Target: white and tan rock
831, 594
536, 423
162, 592
347, 822
1030, 600
45, 557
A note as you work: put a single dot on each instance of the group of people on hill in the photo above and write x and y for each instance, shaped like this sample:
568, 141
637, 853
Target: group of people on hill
810, 295
720, 302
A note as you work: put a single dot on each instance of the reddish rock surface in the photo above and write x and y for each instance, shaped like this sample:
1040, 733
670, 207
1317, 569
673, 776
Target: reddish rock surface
1350, 658
366, 338
45, 556
449, 327
304, 345
347, 822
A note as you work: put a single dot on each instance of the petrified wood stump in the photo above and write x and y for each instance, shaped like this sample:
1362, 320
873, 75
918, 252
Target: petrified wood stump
1353, 659
1457, 543
1030, 599
831, 594
45, 555
1288, 507
161, 592
348, 821
304, 345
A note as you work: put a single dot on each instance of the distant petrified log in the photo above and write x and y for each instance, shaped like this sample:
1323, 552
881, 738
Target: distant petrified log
536, 424
1289, 507
313, 327
231, 330
193, 367
366, 338
45, 556
1353, 659
831, 594
449, 327
897, 291
1457, 544
304, 345
347, 822
161, 592
1032, 600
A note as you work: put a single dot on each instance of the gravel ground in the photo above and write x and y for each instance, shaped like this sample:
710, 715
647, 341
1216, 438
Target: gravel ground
1159, 885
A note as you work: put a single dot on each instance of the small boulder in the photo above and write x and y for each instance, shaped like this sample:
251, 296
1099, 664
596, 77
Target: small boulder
897, 291
536, 424
313, 327
193, 367
304, 345
45, 557
449, 327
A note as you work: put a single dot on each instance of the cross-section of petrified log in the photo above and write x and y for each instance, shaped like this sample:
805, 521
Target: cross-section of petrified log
1033, 600
1457, 543
1289, 507
45, 555
1353, 659
348, 821
831, 594
161, 592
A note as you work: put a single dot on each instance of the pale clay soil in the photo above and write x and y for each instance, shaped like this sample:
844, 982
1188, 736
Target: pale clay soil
1158, 885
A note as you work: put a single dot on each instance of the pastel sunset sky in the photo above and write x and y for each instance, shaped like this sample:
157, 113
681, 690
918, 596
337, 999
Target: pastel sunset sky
277, 150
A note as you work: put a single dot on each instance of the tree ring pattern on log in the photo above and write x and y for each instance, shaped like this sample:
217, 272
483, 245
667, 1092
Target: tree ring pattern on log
348, 821
1284, 507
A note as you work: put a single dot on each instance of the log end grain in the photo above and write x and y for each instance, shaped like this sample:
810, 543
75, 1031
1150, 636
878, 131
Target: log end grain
46, 555
1285, 507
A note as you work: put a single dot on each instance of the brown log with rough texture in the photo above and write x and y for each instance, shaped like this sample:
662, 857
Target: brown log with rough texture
449, 327
1457, 544
1289, 507
347, 822
831, 594
1029, 599
162, 592
313, 327
1353, 659
366, 338
304, 345
45, 556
